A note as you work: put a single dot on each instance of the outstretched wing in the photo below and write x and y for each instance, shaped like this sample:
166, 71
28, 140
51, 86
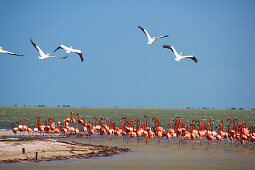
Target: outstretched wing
80, 54
38, 48
58, 57
171, 48
163, 36
57, 48
145, 32
8, 52
191, 57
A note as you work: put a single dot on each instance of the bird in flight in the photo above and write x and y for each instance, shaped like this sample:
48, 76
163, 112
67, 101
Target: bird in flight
71, 50
42, 55
151, 40
8, 52
178, 57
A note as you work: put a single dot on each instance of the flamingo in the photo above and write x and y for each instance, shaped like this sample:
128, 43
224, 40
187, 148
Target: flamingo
76, 130
20, 127
208, 135
102, 129
25, 126
145, 135
139, 130
14, 128
170, 130
29, 129
36, 127
182, 130
119, 130
80, 121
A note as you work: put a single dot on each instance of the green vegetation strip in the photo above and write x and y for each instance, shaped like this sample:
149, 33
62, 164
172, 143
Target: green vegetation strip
6, 139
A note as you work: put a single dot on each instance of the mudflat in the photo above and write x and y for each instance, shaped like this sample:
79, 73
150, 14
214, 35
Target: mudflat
11, 150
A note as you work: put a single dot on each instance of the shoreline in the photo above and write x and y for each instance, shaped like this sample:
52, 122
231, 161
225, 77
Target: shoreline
50, 149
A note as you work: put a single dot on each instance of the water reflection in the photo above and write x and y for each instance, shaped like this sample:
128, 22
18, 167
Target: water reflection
166, 154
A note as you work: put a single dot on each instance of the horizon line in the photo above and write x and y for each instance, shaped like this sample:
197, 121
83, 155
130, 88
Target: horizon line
117, 107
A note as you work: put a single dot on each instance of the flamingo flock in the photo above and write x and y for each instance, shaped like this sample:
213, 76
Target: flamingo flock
187, 130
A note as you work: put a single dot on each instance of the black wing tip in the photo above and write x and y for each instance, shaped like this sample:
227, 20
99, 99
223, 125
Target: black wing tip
56, 49
32, 42
195, 59
16, 54
80, 54
82, 59
141, 28
166, 46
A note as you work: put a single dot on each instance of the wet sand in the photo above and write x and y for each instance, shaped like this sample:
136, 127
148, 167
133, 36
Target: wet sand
49, 149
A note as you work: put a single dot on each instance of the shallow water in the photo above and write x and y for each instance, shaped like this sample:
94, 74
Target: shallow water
165, 155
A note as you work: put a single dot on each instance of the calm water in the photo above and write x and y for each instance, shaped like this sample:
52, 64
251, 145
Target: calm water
154, 156
165, 155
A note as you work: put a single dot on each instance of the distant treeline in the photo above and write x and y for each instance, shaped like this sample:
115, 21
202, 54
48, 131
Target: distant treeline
233, 108
40, 105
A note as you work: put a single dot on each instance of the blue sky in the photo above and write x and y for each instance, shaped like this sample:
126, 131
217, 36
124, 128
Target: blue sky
120, 69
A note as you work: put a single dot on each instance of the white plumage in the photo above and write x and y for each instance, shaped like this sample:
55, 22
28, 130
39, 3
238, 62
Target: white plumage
178, 57
42, 55
71, 50
8, 52
153, 39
